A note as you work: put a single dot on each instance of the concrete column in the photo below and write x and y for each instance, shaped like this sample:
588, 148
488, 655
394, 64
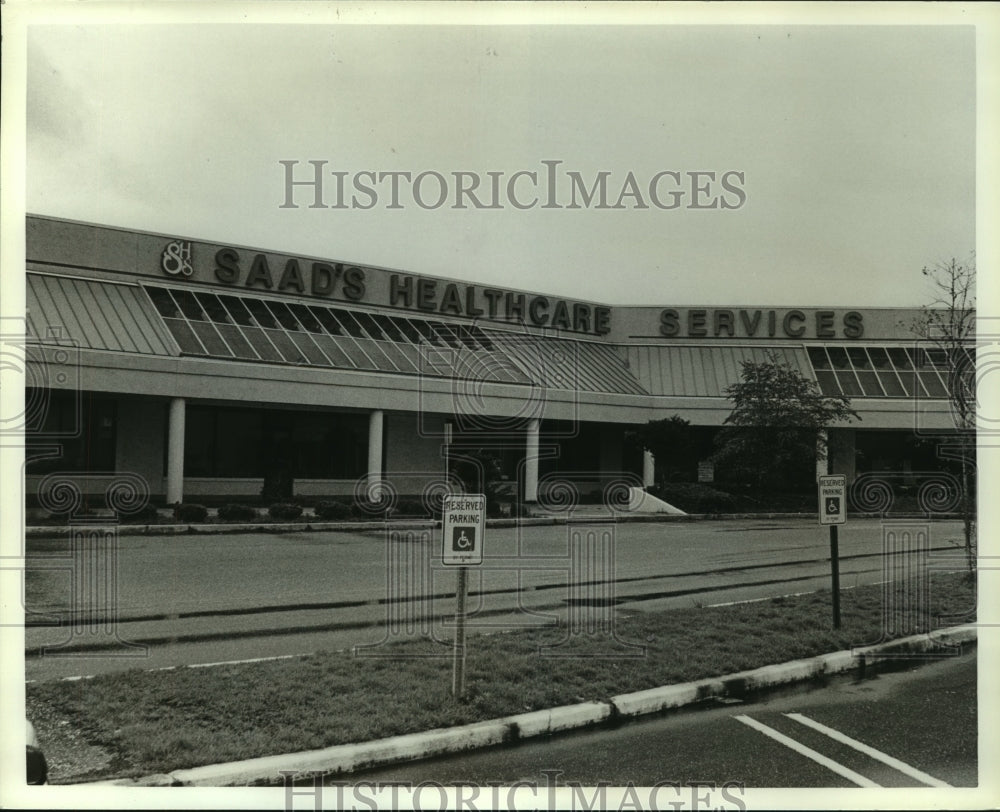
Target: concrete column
175, 452
822, 463
842, 453
531, 462
648, 469
375, 422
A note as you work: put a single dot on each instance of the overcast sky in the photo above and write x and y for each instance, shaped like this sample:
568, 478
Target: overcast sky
856, 147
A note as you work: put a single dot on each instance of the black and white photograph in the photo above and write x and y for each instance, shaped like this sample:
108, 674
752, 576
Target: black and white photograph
499, 405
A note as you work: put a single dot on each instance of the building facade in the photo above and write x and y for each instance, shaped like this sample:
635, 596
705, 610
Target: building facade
220, 372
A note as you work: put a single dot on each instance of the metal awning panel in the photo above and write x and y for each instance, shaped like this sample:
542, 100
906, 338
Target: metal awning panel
96, 315
693, 371
560, 363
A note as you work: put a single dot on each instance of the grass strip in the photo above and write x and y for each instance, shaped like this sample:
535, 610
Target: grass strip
157, 721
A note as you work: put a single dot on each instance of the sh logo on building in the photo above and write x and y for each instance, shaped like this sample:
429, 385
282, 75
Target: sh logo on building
176, 258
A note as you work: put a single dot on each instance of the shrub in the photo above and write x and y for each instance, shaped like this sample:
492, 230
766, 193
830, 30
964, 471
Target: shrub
694, 498
410, 507
145, 515
237, 513
284, 510
190, 512
332, 510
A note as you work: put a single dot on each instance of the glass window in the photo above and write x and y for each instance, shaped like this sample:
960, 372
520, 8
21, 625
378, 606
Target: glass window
237, 342
189, 305
325, 317
214, 345
900, 359
213, 308
306, 318
817, 357
350, 324
284, 316
260, 313
859, 357
163, 302
237, 310
184, 336
838, 358
83, 426
828, 383
849, 384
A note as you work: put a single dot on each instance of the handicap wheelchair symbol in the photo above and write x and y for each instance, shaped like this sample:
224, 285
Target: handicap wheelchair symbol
463, 539
832, 505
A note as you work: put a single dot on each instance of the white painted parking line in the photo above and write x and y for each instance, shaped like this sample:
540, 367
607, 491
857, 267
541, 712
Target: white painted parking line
861, 747
808, 752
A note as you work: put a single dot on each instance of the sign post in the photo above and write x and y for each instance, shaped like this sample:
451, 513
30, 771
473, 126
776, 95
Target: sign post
463, 522
833, 512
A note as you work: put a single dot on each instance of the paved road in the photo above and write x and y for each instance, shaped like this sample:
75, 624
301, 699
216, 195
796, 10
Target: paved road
922, 721
198, 599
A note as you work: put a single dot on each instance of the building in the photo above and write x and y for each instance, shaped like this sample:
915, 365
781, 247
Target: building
218, 372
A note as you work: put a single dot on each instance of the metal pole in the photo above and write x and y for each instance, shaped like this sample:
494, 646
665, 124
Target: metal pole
835, 573
458, 671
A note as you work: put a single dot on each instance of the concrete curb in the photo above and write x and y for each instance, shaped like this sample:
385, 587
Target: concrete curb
349, 757
54, 531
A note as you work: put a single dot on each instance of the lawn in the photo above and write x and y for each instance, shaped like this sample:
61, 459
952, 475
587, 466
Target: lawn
157, 721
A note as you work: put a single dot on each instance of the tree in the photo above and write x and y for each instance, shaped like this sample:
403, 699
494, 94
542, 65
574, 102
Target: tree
671, 443
775, 433
947, 326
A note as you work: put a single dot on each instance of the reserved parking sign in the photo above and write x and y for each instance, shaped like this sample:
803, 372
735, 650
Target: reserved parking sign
833, 499
463, 521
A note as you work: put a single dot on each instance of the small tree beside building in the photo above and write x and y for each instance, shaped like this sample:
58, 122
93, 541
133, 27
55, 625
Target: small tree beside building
947, 329
776, 431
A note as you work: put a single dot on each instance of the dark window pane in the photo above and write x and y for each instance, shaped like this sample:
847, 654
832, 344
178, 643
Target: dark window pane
817, 357
286, 346
350, 324
372, 330
880, 358
849, 384
893, 388
357, 356
484, 340
859, 357
838, 357
378, 358
899, 358
237, 310
164, 303
185, 336
309, 349
260, 313
325, 317
408, 329
306, 318
398, 357
199, 441
447, 333
331, 346
932, 383
237, 343
284, 316
189, 305
828, 383
258, 339
213, 308
239, 443
389, 328
869, 383
213, 344
428, 334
